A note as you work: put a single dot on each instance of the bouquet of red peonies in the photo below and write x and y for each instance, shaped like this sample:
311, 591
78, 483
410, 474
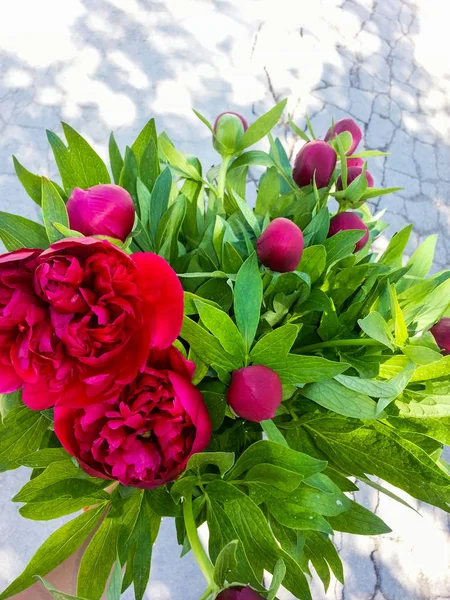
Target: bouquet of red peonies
169, 351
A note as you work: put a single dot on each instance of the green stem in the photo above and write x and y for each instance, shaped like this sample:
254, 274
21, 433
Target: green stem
334, 343
206, 594
196, 546
222, 176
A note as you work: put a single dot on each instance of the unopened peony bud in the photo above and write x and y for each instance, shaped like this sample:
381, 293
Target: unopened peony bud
280, 246
352, 174
229, 129
255, 393
239, 593
348, 220
314, 157
441, 333
349, 126
101, 210
355, 162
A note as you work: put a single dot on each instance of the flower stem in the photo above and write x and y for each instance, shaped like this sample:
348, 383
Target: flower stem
206, 594
334, 343
222, 176
196, 546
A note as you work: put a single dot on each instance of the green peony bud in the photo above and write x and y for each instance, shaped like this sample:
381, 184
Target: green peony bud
229, 130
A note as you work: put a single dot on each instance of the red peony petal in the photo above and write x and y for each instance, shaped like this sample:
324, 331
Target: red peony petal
163, 297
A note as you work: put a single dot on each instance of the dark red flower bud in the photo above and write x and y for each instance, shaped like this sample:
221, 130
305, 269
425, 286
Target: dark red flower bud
255, 393
347, 220
352, 174
239, 593
229, 128
280, 247
104, 209
315, 157
355, 162
441, 333
351, 127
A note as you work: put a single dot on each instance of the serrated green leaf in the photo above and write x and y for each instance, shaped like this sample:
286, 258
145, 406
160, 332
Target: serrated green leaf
59, 546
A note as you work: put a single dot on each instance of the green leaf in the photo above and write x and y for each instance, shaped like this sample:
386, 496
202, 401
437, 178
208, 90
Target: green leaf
85, 160
272, 432
214, 396
360, 521
144, 201
421, 355
66, 232
247, 213
144, 138
298, 131
368, 154
376, 192
252, 158
60, 506
32, 183
204, 120
313, 261
144, 536
341, 244
380, 451
222, 460
160, 199
226, 563
21, 433
221, 533
28, 233
277, 579
271, 475
59, 546
223, 329
53, 210
149, 167
268, 191
274, 345
434, 307
340, 399
45, 457
9, 241
115, 583
115, 158
317, 229
248, 293
262, 126
169, 229
376, 328
70, 176
422, 259
296, 369
256, 537
129, 175
265, 451
400, 330
394, 252
98, 560
376, 388
56, 594
206, 346
176, 159
9, 402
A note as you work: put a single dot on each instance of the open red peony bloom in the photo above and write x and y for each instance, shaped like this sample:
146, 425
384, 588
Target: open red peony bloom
23, 319
144, 436
90, 322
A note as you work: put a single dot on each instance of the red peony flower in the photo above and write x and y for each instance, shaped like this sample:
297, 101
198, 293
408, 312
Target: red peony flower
96, 314
23, 319
144, 436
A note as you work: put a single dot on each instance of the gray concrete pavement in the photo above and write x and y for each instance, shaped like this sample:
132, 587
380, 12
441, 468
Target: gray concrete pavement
111, 64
